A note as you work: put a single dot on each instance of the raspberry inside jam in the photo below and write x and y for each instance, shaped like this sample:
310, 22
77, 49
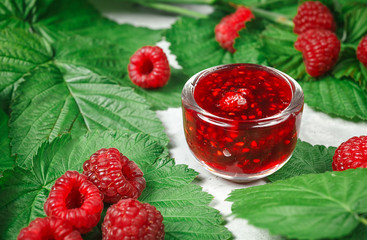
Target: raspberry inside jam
242, 94
235, 141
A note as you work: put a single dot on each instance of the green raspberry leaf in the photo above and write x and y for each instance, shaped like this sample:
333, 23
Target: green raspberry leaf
85, 101
355, 26
16, 13
350, 66
330, 204
248, 45
278, 47
164, 175
183, 205
104, 58
199, 49
21, 53
192, 219
37, 16
359, 233
306, 159
22, 201
165, 97
338, 97
127, 36
6, 160
72, 93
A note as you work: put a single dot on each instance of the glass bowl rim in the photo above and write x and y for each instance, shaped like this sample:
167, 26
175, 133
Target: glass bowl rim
295, 105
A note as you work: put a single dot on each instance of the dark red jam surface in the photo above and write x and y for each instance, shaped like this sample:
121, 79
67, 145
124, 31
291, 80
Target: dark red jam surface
241, 93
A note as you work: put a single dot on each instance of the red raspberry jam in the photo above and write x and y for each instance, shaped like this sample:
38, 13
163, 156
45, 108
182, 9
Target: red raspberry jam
241, 121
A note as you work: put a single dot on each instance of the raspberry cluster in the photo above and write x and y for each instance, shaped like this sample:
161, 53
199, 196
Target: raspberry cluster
227, 30
317, 40
75, 203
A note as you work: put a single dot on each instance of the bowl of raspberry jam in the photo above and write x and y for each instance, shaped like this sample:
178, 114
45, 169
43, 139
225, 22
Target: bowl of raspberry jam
242, 121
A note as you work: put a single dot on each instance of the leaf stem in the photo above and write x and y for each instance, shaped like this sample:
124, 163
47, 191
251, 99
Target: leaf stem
174, 9
275, 17
363, 220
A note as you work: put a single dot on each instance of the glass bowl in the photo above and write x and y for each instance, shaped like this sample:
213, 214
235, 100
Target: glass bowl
242, 121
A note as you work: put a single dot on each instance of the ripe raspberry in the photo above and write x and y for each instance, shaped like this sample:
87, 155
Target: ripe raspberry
49, 228
362, 51
131, 219
114, 174
149, 67
320, 50
351, 154
313, 15
227, 30
75, 199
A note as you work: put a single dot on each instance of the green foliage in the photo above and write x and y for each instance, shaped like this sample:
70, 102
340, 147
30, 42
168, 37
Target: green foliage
165, 97
6, 160
248, 46
21, 53
183, 205
306, 159
359, 233
331, 204
350, 66
104, 46
338, 97
73, 93
355, 26
278, 47
193, 42
333, 93
129, 37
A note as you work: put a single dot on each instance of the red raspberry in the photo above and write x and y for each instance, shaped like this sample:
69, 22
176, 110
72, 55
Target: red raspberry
114, 174
75, 199
131, 219
227, 30
49, 228
149, 67
362, 51
320, 50
313, 15
351, 154
233, 102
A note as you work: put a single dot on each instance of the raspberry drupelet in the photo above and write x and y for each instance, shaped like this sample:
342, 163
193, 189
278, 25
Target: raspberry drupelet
49, 228
131, 219
114, 174
75, 199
